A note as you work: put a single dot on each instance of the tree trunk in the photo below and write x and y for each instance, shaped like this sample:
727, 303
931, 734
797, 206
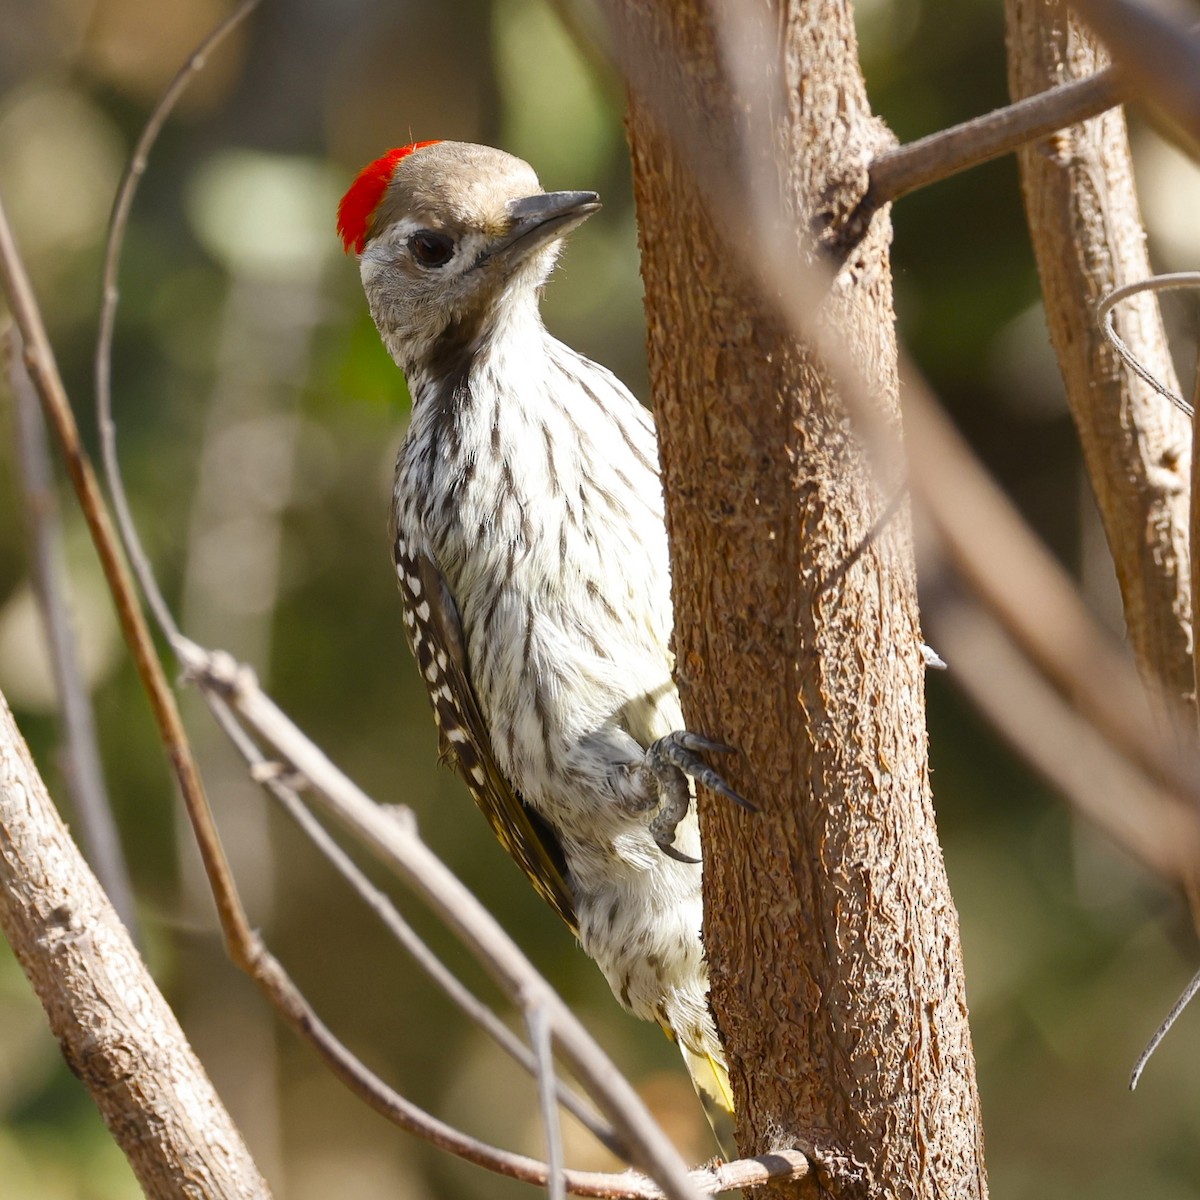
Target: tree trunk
830, 931
112, 1024
1087, 235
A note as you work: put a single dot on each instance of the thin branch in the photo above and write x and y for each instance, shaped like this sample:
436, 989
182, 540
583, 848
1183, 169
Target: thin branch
269, 774
1106, 314
1014, 698
43, 372
537, 1022
118, 222
1186, 997
940, 155
281, 991
83, 771
1035, 601
396, 843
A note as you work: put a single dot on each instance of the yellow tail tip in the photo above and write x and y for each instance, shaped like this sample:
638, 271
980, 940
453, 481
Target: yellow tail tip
710, 1078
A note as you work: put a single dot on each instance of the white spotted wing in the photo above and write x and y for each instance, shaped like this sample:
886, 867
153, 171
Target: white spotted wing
435, 635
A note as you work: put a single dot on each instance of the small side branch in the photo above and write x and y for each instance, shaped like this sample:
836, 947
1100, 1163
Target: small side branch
940, 155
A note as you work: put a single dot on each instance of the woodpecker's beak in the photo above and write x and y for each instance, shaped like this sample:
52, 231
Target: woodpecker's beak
539, 220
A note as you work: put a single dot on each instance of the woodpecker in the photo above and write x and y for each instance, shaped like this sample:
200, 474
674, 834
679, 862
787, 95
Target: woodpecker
531, 555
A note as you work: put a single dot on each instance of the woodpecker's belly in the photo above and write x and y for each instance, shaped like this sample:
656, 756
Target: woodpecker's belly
567, 719
558, 566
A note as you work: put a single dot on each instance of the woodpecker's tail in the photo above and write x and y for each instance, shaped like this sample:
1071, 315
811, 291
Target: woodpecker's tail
711, 1081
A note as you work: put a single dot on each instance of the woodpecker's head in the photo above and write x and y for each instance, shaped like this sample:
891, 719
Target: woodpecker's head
451, 237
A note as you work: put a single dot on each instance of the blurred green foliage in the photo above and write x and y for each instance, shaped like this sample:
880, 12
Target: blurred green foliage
259, 418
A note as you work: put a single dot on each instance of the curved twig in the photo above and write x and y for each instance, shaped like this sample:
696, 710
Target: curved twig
1106, 316
1186, 997
110, 296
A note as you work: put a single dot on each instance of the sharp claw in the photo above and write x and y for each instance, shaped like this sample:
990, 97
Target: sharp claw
694, 741
668, 848
728, 792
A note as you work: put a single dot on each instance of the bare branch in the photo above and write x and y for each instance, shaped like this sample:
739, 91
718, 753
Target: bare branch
83, 771
1015, 699
1034, 600
1185, 998
278, 783
538, 1023
394, 840
115, 1029
940, 155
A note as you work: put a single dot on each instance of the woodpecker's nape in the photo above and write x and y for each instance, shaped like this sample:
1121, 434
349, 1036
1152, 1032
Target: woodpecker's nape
531, 555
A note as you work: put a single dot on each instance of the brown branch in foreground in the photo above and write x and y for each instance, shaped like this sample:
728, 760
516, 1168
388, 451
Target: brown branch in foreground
940, 155
1086, 228
279, 784
1059, 743
1035, 601
1159, 53
115, 1030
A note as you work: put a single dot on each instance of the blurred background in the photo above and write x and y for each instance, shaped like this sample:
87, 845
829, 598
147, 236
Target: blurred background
259, 421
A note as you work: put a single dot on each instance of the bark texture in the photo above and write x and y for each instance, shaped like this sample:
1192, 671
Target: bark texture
112, 1024
1088, 238
831, 934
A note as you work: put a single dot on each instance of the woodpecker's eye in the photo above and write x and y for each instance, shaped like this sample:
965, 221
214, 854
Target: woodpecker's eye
431, 249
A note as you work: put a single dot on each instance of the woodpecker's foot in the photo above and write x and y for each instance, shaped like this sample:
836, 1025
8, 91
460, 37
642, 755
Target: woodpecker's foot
669, 761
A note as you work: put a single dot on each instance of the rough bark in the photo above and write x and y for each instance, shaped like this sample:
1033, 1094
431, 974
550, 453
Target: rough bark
831, 934
1088, 238
113, 1026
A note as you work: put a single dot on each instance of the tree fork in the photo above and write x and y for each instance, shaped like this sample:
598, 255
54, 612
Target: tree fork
831, 934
